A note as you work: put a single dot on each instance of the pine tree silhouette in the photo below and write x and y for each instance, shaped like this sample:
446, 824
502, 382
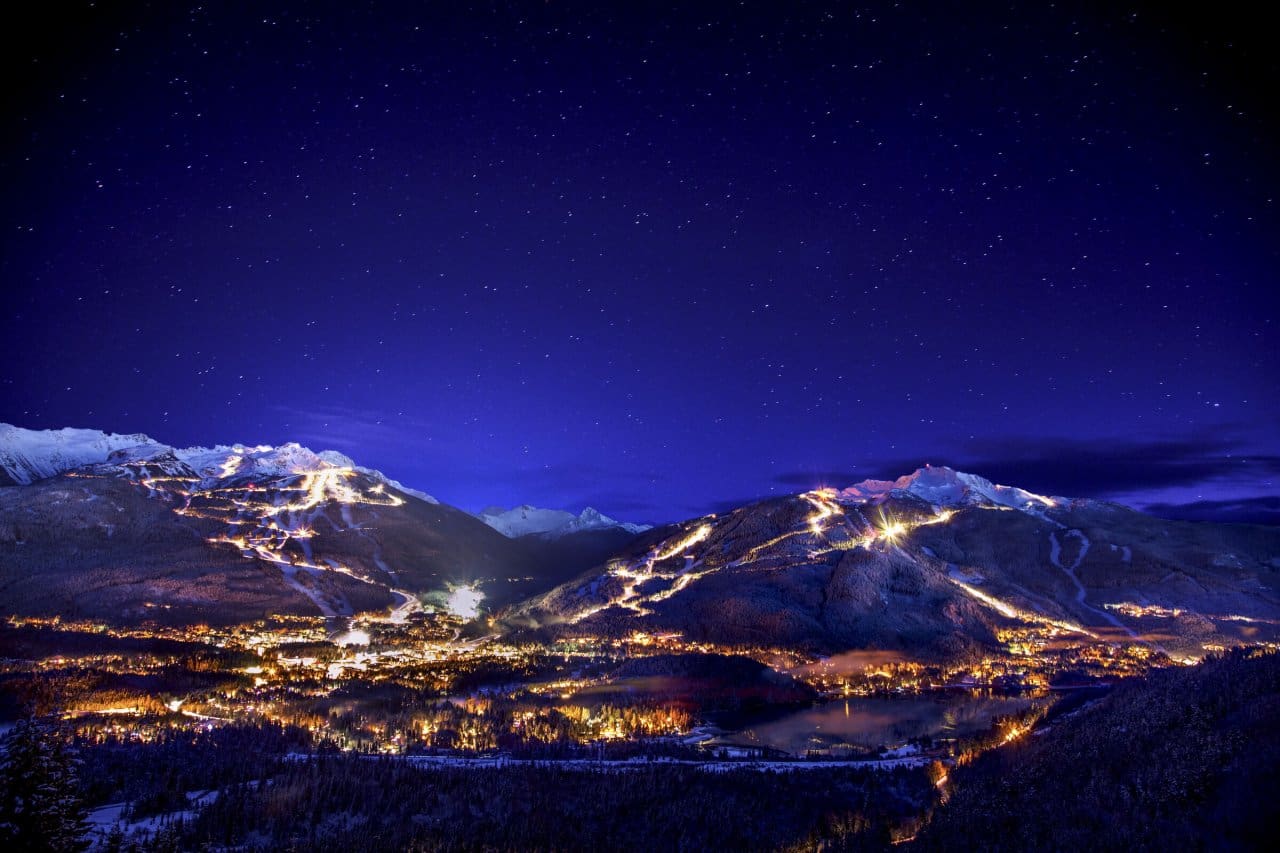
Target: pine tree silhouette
40, 805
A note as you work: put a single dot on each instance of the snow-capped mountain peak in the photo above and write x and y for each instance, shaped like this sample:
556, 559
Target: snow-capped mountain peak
551, 523
238, 460
341, 460
946, 487
592, 519
28, 455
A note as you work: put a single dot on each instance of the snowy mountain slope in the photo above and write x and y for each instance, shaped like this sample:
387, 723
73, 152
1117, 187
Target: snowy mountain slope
551, 523
924, 563
591, 519
945, 487
125, 528
523, 520
28, 455
341, 460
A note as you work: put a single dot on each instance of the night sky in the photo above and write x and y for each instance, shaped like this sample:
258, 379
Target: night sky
658, 262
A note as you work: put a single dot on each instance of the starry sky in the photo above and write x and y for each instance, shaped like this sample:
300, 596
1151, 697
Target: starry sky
659, 261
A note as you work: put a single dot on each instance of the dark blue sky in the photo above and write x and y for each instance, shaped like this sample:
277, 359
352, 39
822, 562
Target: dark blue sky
657, 261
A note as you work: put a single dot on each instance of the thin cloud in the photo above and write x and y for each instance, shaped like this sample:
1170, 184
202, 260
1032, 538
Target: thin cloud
338, 428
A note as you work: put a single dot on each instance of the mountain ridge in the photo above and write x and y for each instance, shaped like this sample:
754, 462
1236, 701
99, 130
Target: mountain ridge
28, 455
528, 520
97, 525
936, 559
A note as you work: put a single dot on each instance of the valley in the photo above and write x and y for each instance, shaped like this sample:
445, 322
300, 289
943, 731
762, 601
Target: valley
157, 597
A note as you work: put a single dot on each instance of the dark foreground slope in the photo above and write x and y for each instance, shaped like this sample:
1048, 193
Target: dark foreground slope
1183, 759
352, 804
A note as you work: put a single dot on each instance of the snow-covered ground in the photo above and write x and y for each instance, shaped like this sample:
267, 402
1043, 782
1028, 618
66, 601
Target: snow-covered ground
104, 818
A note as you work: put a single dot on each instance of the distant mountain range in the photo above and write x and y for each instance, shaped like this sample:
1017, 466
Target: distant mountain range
937, 562
526, 520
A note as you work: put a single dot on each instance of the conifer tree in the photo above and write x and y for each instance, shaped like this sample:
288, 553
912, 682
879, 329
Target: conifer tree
40, 804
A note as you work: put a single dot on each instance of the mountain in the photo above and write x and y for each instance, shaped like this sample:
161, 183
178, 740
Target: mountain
551, 523
124, 528
27, 455
945, 487
30, 455
936, 562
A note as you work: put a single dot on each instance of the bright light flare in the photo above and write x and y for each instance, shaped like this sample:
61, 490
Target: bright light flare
892, 530
352, 637
464, 602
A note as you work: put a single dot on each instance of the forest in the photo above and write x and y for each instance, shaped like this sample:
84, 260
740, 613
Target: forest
1182, 759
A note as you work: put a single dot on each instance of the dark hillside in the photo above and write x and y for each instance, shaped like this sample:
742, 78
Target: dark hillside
1184, 759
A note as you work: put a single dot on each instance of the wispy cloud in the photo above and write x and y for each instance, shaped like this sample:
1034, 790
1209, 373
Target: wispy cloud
349, 429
